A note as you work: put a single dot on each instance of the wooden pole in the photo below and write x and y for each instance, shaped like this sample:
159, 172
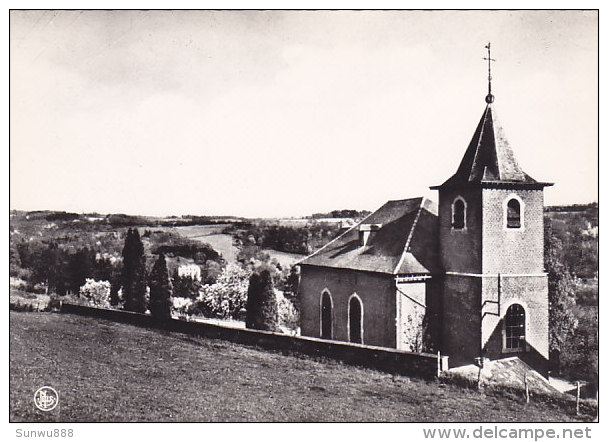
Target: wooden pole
578, 397
527, 388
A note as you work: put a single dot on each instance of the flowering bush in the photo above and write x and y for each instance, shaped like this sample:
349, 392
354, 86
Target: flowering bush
96, 293
227, 297
181, 306
289, 316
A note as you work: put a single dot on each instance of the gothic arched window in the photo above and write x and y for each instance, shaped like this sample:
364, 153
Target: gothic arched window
513, 214
515, 328
355, 320
326, 315
458, 214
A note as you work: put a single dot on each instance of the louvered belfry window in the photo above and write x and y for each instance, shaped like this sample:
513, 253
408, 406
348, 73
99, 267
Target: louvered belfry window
458, 215
513, 214
515, 328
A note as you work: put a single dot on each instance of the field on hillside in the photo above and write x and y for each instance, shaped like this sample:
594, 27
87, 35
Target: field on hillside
224, 243
213, 236
109, 372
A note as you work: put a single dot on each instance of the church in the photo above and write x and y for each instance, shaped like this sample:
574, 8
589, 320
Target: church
464, 276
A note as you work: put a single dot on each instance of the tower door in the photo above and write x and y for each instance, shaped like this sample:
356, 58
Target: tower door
354, 320
326, 316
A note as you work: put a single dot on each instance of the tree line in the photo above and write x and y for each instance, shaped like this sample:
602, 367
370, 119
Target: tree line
282, 238
261, 307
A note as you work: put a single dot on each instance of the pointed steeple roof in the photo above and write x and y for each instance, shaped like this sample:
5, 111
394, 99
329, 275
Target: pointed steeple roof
489, 157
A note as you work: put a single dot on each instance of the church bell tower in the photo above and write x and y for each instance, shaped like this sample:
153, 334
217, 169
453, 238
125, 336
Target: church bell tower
491, 238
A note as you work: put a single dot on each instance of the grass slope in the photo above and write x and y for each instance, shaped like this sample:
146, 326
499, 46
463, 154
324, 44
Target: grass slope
111, 372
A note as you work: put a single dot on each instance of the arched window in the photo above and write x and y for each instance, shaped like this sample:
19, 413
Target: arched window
326, 315
355, 320
513, 214
515, 328
458, 214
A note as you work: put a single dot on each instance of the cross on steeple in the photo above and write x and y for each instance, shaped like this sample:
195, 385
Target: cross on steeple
489, 97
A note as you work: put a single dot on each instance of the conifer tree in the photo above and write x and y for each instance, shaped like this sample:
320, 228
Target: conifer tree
80, 267
114, 289
134, 273
160, 289
262, 309
253, 300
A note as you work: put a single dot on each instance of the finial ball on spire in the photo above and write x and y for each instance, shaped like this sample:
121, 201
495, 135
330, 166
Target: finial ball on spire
489, 98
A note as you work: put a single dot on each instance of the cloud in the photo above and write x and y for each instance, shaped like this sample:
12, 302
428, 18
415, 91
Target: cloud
267, 113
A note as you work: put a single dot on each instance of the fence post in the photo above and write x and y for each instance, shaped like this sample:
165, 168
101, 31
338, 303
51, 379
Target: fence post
578, 397
526, 388
479, 362
438, 363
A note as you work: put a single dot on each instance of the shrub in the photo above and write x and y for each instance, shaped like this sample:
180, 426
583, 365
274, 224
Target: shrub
96, 293
160, 289
289, 316
227, 297
116, 299
186, 286
199, 252
54, 304
292, 282
210, 271
134, 273
262, 310
20, 307
181, 306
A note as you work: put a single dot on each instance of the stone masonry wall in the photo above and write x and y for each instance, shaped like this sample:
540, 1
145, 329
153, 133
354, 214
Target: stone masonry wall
531, 292
377, 293
461, 321
505, 250
460, 250
385, 359
411, 297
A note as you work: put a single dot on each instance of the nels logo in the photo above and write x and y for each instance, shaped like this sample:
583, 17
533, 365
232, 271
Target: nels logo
46, 398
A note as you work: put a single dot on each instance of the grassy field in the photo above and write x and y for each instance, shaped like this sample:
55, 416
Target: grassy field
223, 243
111, 372
213, 236
285, 259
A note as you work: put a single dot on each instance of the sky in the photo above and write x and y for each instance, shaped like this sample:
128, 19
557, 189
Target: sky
288, 113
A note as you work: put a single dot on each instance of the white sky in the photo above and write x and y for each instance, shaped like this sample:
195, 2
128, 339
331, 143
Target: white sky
289, 113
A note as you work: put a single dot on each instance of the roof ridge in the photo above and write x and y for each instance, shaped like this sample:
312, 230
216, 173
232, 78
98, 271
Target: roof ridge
336, 238
498, 149
406, 199
481, 132
409, 236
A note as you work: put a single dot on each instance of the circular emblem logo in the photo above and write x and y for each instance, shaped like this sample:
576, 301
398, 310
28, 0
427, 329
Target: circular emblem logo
46, 398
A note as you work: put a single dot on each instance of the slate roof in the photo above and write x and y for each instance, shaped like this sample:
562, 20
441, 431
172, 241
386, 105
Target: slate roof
406, 243
489, 157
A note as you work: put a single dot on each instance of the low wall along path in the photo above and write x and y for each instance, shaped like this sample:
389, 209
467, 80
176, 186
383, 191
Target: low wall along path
422, 365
